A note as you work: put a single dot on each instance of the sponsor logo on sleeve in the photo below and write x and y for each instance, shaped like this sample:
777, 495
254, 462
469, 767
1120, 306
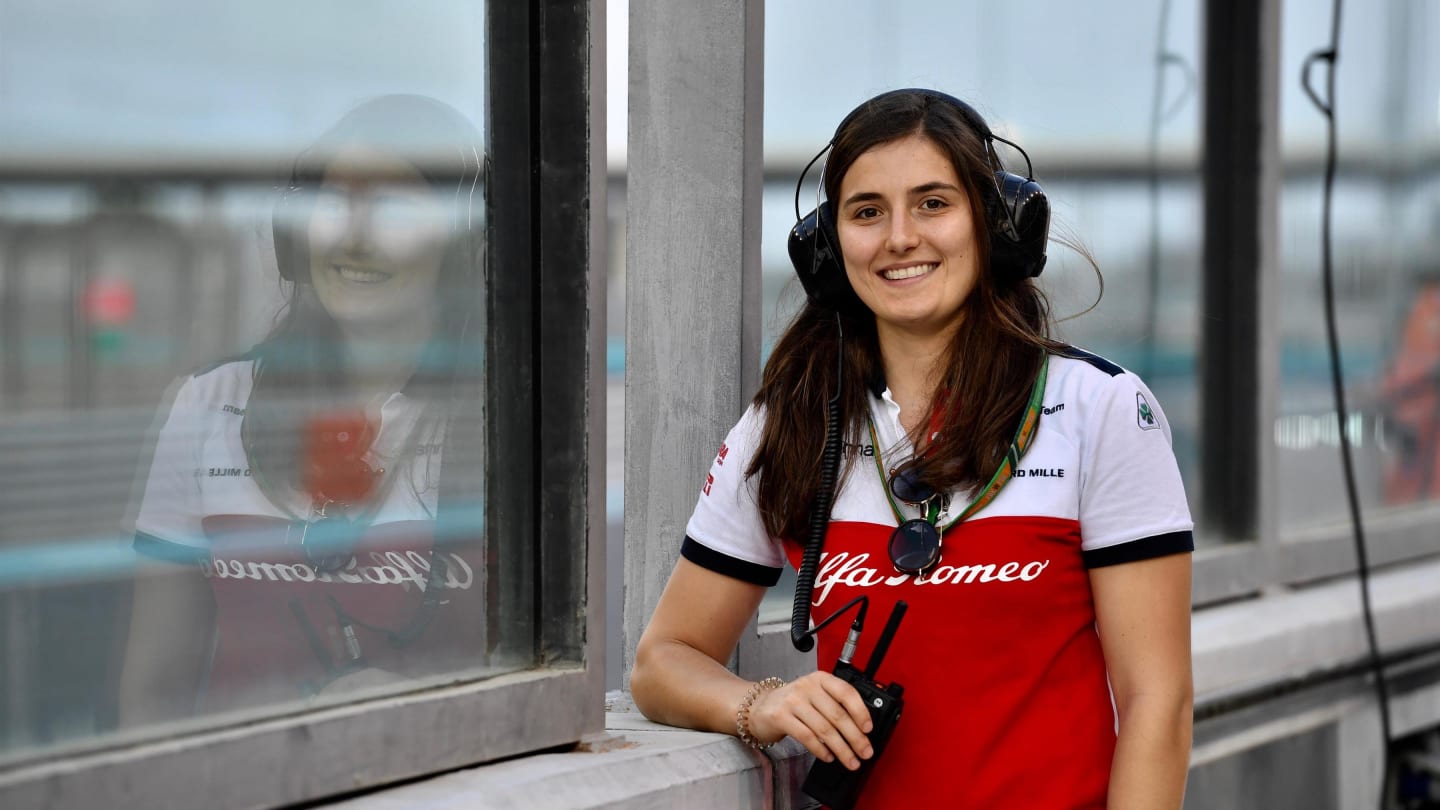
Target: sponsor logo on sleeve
720, 457
1144, 414
709, 481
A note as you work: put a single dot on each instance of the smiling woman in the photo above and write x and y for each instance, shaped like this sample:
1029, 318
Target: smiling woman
307, 558
1045, 601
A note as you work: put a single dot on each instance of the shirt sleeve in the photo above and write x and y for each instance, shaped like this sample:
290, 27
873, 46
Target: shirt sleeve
725, 533
1132, 501
168, 525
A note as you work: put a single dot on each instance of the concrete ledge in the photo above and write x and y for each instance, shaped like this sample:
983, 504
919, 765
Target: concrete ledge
637, 764
1291, 633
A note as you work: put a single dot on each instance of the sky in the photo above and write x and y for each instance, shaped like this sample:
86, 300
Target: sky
164, 78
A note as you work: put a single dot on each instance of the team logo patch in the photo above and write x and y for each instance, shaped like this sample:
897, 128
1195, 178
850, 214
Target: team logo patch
1144, 414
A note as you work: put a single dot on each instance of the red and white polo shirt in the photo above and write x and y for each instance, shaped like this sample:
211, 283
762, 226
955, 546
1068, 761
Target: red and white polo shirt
283, 629
1007, 703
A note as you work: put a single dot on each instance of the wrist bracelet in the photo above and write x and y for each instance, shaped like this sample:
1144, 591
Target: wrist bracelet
742, 715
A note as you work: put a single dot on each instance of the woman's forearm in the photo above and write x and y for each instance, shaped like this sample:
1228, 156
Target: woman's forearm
172, 616
1152, 754
678, 685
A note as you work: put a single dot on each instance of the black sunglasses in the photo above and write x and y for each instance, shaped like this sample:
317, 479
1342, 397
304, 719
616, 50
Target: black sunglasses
915, 544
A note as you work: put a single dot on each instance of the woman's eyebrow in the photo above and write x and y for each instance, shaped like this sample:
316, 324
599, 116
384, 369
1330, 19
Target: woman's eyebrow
861, 196
926, 188
923, 188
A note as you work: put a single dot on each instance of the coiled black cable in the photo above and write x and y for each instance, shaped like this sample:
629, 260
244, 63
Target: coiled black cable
820, 512
1331, 56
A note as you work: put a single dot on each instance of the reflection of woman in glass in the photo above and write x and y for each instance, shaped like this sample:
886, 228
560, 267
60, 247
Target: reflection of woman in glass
287, 532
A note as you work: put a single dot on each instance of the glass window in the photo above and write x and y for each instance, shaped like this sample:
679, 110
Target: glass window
244, 405
1387, 280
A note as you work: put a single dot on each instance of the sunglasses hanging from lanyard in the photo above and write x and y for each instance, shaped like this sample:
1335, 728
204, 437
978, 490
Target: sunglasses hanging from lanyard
915, 544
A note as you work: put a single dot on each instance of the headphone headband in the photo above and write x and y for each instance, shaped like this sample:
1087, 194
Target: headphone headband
1017, 215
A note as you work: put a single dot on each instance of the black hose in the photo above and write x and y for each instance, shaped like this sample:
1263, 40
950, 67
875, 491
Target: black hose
1326, 106
820, 511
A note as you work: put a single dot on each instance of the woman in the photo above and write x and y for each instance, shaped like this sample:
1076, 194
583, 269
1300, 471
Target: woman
1065, 586
286, 538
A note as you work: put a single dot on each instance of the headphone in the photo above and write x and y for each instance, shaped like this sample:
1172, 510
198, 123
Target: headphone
291, 215
1017, 216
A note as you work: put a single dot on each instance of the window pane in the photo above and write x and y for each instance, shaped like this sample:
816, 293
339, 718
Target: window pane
1387, 283
243, 322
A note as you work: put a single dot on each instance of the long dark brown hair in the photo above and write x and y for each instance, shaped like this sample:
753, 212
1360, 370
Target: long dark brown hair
991, 363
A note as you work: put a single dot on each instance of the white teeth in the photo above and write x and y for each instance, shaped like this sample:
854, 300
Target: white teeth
361, 276
908, 272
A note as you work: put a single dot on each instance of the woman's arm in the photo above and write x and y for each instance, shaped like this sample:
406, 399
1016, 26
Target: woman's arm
1143, 613
171, 618
680, 677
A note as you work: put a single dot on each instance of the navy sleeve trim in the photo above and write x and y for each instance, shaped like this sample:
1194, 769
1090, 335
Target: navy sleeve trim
743, 570
156, 548
1093, 359
1159, 545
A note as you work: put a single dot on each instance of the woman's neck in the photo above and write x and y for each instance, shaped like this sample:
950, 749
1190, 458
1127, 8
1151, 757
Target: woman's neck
914, 365
380, 364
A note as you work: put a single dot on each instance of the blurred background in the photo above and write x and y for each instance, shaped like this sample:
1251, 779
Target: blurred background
143, 145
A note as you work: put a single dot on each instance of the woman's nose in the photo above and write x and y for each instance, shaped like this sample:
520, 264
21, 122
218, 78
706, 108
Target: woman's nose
358, 222
903, 234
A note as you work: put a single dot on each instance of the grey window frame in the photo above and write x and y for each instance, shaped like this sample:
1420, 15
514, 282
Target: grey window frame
545, 108
1240, 379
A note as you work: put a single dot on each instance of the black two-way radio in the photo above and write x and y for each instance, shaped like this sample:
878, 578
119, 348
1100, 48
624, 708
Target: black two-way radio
831, 783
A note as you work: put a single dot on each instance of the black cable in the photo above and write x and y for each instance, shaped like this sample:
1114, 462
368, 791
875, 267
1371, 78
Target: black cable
1159, 114
820, 512
1327, 109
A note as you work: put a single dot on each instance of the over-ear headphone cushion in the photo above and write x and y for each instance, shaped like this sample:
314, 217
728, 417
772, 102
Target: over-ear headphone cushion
1018, 214
289, 216
814, 248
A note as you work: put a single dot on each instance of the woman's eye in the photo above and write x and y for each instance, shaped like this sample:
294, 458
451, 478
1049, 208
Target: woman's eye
869, 212
933, 204
398, 209
330, 203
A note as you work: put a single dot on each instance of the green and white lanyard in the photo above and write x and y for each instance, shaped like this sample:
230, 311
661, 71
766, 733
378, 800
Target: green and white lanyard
1024, 437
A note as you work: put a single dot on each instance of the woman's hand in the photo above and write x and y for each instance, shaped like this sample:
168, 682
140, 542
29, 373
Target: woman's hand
361, 679
824, 713
680, 677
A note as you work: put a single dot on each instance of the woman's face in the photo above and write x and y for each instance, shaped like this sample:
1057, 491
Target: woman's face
377, 235
908, 235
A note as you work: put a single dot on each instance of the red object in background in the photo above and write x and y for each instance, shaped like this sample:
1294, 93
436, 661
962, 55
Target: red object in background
335, 444
109, 302
1412, 397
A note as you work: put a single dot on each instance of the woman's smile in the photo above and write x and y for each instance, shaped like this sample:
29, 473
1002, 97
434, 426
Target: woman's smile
360, 275
910, 271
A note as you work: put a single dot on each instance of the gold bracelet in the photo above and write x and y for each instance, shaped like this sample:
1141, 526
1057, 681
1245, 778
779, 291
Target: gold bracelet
742, 715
